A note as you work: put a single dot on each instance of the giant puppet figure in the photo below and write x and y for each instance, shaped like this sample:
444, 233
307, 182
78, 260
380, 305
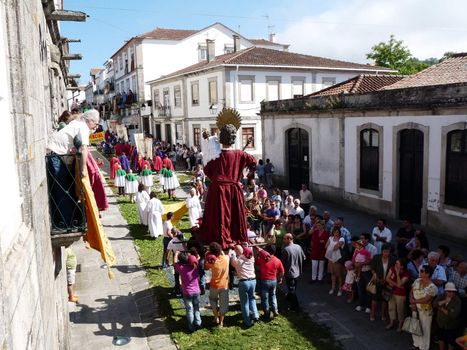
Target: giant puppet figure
224, 219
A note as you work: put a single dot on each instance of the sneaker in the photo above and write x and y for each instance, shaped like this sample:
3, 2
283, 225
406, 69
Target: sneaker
331, 292
339, 293
358, 308
367, 310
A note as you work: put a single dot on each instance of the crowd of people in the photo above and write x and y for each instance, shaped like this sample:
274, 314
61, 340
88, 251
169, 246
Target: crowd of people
390, 276
387, 276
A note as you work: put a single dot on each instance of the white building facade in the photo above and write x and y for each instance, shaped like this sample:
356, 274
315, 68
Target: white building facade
399, 153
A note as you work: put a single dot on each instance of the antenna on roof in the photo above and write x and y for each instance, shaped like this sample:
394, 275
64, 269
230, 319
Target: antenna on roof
271, 34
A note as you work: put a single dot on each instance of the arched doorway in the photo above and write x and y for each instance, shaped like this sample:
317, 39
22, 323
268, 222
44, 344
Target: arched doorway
298, 157
411, 174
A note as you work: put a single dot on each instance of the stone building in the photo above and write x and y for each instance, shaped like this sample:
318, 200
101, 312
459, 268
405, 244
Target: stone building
393, 148
33, 83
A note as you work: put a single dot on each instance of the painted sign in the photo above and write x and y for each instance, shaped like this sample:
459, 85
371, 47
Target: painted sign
98, 137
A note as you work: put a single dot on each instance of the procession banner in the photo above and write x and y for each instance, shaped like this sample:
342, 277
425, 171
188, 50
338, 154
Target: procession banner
98, 137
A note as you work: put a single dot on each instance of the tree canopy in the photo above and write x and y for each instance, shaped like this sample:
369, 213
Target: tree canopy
395, 55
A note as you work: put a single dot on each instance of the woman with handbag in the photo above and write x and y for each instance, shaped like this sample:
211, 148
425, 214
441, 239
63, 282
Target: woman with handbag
397, 279
421, 296
335, 264
380, 267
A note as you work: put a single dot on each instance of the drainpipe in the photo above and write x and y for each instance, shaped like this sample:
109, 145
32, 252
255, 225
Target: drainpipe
235, 88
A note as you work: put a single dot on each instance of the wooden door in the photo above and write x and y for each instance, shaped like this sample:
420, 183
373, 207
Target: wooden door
410, 174
298, 157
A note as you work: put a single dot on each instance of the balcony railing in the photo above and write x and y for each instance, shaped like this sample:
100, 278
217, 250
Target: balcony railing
164, 111
66, 197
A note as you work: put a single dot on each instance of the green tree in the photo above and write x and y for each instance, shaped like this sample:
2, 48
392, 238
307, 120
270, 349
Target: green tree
393, 54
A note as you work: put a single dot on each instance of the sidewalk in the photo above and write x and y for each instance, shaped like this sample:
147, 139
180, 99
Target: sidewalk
121, 307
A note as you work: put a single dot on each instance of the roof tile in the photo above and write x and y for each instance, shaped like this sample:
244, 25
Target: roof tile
450, 71
168, 34
269, 57
360, 84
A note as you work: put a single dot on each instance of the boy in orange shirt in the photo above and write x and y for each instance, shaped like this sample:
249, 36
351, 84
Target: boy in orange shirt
218, 263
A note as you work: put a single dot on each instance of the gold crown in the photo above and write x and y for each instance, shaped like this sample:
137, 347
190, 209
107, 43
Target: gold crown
228, 116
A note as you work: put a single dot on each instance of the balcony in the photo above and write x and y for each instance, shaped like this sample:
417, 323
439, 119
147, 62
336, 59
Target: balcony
66, 199
164, 111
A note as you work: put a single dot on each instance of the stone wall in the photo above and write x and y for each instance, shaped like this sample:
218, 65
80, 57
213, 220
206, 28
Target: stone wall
420, 97
33, 302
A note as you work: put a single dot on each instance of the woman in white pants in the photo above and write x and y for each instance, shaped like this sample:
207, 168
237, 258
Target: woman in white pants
319, 238
421, 297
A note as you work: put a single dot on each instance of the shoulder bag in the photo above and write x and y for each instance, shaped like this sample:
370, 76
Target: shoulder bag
371, 286
412, 325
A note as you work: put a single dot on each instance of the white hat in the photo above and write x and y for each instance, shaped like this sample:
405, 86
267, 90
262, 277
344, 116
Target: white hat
450, 287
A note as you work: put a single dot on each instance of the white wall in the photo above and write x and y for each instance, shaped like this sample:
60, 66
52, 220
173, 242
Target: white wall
433, 122
323, 136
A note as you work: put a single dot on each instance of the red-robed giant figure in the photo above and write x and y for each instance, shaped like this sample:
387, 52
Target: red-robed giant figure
224, 219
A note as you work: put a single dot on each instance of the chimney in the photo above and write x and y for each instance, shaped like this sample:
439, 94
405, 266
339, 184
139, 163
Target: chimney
272, 37
236, 40
211, 53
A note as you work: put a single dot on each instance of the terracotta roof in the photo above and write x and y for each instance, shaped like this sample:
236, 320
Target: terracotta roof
262, 56
450, 71
256, 56
264, 42
360, 84
168, 34
95, 71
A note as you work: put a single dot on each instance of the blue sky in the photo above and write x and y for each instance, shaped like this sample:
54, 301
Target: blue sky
110, 23
341, 29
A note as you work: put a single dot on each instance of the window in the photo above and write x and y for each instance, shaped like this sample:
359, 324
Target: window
369, 159
272, 93
228, 48
247, 134
246, 90
297, 88
327, 82
195, 93
196, 135
212, 92
116, 66
120, 63
127, 84
166, 97
177, 97
133, 85
202, 52
157, 102
178, 131
456, 169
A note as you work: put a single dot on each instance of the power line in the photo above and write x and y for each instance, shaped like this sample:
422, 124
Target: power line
267, 18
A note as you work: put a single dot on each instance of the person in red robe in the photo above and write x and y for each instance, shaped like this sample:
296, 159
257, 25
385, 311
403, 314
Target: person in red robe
118, 149
127, 148
157, 162
97, 184
167, 163
114, 162
224, 219
145, 163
